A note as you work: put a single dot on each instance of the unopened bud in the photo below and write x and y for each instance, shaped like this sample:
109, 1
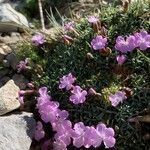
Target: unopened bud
105, 51
89, 56
92, 91
30, 85
21, 92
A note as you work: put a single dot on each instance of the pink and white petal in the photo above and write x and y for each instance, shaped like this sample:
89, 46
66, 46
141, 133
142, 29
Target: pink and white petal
84, 92
82, 99
63, 114
101, 128
79, 128
78, 142
43, 90
97, 140
109, 132
143, 46
59, 145
73, 98
61, 86
109, 142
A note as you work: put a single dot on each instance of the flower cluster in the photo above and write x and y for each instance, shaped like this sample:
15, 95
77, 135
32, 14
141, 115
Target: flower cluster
80, 134
89, 136
117, 98
78, 94
139, 40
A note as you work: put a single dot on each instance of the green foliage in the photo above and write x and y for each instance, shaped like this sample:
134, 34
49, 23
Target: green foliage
98, 73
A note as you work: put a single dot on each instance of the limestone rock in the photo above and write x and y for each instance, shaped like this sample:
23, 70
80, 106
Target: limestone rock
11, 38
16, 131
8, 97
11, 20
4, 50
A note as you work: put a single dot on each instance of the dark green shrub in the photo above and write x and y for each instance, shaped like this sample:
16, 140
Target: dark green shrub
99, 74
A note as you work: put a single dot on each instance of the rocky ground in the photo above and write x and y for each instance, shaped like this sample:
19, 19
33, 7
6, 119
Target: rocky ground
16, 128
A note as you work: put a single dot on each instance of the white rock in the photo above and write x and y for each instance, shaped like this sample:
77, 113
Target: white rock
10, 19
4, 50
16, 131
8, 97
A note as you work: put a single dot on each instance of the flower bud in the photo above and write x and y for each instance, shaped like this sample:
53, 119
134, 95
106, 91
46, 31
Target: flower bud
21, 92
92, 91
105, 51
89, 56
121, 59
30, 85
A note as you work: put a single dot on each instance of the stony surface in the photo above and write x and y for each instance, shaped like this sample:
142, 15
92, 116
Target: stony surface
3, 72
12, 59
11, 20
4, 50
8, 97
16, 131
20, 81
11, 38
4, 80
6, 63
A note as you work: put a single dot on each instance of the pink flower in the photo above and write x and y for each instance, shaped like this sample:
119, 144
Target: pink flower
125, 45
67, 81
106, 135
98, 43
38, 39
93, 19
78, 95
22, 65
69, 26
142, 40
21, 96
121, 59
64, 130
48, 109
78, 135
117, 98
39, 132
60, 117
59, 145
